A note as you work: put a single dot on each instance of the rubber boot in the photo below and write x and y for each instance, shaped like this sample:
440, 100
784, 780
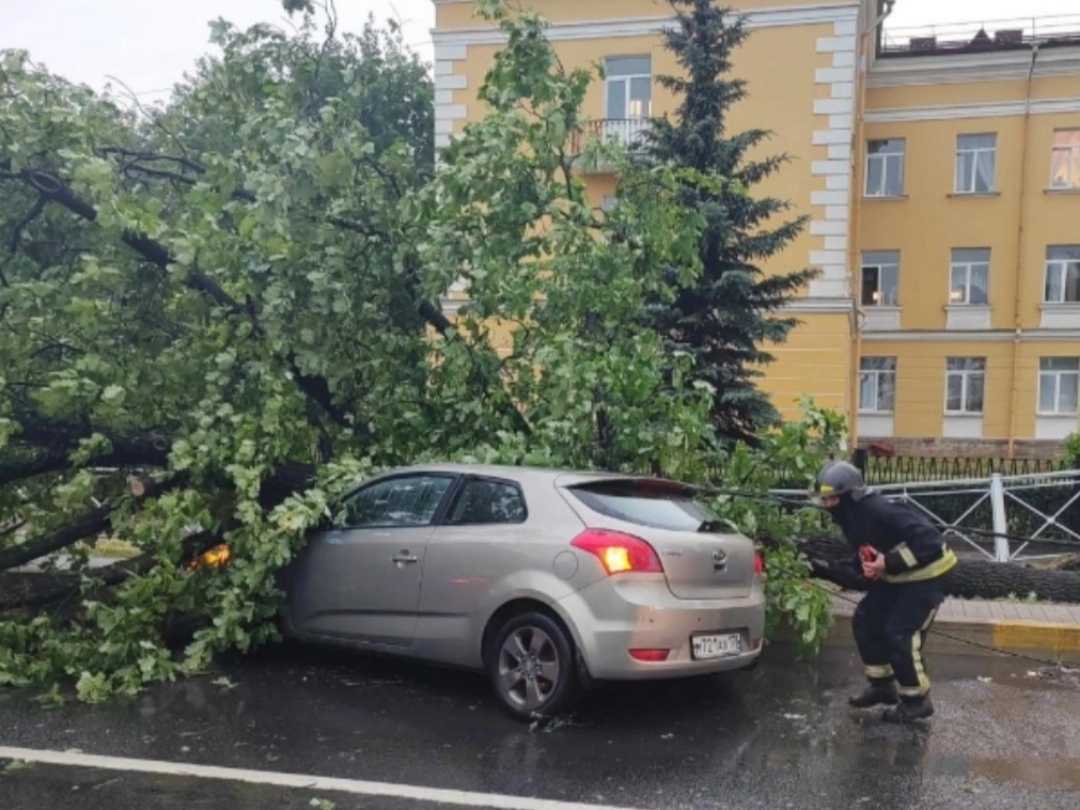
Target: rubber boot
880, 692
910, 709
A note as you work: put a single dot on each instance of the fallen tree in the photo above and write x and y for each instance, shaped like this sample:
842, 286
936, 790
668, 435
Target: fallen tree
240, 293
831, 559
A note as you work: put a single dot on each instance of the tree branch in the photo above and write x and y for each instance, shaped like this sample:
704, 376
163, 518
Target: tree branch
154, 119
56, 440
12, 527
90, 524
318, 390
159, 174
12, 472
54, 190
123, 454
154, 157
36, 591
434, 316
35, 212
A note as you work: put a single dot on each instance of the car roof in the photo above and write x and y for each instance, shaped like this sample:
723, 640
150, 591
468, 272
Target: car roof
535, 474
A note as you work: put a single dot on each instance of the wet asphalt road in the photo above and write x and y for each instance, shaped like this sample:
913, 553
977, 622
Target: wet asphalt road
1005, 736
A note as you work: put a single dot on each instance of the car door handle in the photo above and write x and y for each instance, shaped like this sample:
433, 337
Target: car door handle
403, 557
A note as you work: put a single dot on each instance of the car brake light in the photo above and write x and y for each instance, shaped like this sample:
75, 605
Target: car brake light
651, 656
618, 552
759, 564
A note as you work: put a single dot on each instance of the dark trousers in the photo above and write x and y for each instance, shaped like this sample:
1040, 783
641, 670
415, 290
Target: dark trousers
890, 625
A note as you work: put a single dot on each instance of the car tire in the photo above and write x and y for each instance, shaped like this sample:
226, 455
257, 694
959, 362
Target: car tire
532, 665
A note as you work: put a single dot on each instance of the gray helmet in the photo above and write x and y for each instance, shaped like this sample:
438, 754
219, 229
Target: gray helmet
840, 478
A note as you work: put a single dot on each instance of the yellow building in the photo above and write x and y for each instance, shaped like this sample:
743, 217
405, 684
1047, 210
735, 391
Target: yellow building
941, 174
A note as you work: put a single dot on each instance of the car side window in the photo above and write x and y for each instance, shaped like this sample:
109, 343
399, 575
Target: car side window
485, 501
406, 501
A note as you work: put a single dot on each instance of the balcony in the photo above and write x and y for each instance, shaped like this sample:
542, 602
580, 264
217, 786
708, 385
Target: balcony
980, 37
626, 132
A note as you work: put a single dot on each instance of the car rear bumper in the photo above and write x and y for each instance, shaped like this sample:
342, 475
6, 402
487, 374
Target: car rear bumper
618, 614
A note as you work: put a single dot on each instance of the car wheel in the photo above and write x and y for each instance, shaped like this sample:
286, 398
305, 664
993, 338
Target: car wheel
532, 665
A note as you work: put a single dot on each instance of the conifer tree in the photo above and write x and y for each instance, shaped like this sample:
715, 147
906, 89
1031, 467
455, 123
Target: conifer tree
727, 314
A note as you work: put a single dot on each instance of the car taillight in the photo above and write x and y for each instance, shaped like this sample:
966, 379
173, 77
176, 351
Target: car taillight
759, 564
618, 552
651, 656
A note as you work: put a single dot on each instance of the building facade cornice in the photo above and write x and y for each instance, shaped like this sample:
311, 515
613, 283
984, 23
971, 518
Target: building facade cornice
646, 26
963, 68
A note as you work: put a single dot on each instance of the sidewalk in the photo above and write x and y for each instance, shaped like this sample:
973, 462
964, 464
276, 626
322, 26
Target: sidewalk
1042, 630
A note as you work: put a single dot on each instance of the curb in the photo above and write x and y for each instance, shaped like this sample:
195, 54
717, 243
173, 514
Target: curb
1054, 642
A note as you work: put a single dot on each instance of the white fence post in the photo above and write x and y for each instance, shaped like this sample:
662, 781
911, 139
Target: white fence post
997, 502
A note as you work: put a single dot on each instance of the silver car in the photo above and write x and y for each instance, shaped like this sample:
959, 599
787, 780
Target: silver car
545, 579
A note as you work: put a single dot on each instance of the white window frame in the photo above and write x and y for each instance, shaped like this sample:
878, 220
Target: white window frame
965, 386
880, 267
1055, 375
877, 374
1073, 156
1058, 266
974, 152
967, 266
627, 78
884, 159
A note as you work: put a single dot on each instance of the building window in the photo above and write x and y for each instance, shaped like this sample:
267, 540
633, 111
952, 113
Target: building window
965, 384
970, 276
877, 384
976, 156
1063, 274
1065, 159
885, 168
628, 87
881, 278
1059, 386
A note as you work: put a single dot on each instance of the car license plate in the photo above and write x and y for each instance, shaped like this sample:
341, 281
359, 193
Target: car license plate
716, 646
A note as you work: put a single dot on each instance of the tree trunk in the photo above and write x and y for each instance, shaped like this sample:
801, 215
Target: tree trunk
88, 526
26, 591
832, 559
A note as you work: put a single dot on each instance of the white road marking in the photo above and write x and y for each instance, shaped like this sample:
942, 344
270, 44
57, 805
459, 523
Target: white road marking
461, 798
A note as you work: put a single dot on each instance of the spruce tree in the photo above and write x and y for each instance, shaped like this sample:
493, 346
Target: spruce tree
727, 313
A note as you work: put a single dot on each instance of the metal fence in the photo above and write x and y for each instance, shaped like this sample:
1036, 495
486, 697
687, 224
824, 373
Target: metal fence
1024, 509
981, 35
883, 470
999, 515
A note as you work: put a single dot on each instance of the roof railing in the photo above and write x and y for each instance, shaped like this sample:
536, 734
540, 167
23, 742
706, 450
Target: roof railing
982, 35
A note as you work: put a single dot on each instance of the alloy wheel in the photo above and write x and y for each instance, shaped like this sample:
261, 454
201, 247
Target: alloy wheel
528, 668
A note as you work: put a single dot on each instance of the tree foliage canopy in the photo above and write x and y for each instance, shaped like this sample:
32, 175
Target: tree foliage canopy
218, 314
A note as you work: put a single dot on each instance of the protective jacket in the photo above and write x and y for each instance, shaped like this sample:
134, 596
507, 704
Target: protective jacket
913, 548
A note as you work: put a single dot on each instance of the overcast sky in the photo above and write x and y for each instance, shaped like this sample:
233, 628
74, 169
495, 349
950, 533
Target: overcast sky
88, 40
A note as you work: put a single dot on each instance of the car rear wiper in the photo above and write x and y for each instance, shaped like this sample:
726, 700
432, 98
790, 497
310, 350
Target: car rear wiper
711, 526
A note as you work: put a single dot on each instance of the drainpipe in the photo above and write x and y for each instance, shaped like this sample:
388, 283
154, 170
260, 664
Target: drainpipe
857, 315
1018, 293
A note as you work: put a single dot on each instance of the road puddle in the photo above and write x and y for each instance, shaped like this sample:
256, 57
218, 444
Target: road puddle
1047, 774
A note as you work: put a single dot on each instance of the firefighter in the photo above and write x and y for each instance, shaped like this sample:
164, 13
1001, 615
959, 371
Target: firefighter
902, 555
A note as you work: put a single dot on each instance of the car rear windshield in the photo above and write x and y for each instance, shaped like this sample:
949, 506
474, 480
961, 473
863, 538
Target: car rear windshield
659, 504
